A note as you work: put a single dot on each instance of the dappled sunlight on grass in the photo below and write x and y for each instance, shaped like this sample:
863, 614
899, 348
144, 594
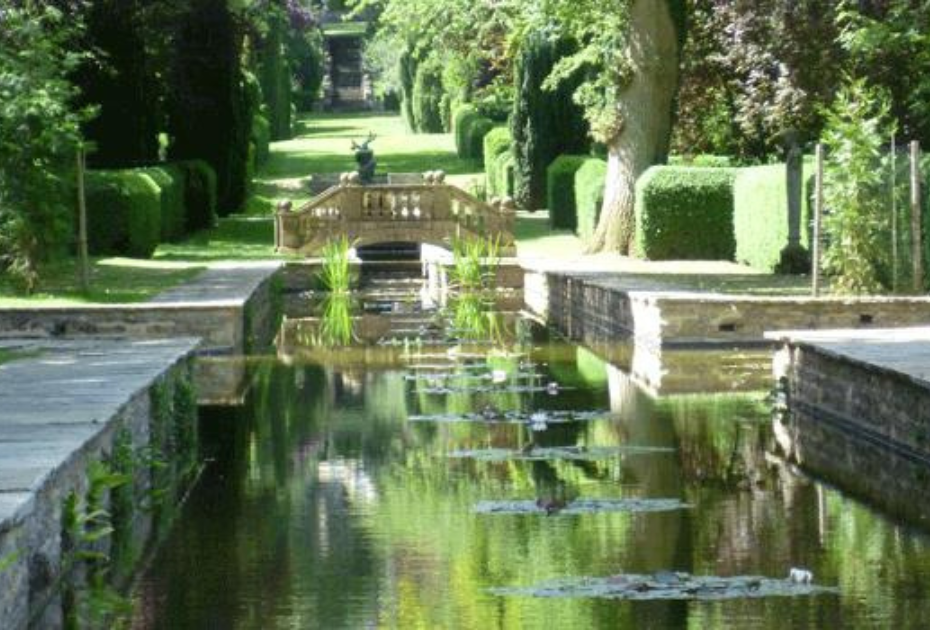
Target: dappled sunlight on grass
234, 238
113, 280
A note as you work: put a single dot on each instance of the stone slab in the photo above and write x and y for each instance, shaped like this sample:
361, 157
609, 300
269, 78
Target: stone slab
60, 396
904, 351
220, 284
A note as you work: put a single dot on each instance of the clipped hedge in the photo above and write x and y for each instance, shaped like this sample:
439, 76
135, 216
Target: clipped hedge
560, 191
470, 129
123, 213
544, 123
685, 213
261, 139
171, 181
428, 96
589, 195
496, 148
701, 159
760, 214
200, 196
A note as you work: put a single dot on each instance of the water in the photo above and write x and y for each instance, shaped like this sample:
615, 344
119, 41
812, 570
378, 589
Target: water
326, 506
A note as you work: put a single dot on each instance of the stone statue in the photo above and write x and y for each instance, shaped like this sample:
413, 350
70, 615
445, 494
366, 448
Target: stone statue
365, 157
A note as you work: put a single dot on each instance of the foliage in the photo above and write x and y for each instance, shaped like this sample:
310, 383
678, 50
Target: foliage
381, 58
335, 272
685, 213
274, 72
496, 152
122, 81
307, 57
39, 135
124, 213
888, 44
760, 214
336, 324
199, 194
560, 191
855, 189
170, 180
427, 98
544, 124
702, 159
470, 129
210, 111
755, 75
261, 139
589, 195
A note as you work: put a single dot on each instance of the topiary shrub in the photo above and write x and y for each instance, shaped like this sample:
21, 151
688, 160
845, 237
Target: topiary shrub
199, 194
701, 159
462, 118
170, 180
685, 213
475, 134
589, 195
544, 124
760, 214
123, 213
428, 98
560, 191
496, 147
261, 139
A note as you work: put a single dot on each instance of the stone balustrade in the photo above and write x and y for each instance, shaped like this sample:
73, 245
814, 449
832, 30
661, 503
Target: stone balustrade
430, 212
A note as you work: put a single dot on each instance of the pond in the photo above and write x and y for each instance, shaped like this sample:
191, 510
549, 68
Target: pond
447, 482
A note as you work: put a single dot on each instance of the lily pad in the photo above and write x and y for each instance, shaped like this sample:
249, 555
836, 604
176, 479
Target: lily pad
548, 453
493, 416
580, 506
668, 585
484, 389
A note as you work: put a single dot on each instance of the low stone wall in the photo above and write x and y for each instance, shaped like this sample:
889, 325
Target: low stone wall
587, 308
48, 457
862, 426
229, 309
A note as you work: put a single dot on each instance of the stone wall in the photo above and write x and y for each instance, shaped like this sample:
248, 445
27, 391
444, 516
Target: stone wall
861, 427
586, 309
31, 538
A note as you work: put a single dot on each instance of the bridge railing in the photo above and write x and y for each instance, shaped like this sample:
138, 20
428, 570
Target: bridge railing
365, 211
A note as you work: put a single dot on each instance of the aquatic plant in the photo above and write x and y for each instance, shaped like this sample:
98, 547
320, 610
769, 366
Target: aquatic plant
336, 325
474, 263
335, 273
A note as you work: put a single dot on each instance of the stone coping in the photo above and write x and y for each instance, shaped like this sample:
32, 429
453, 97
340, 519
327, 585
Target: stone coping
59, 397
903, 352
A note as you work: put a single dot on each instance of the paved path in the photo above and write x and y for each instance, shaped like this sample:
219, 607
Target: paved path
59, 395
222, 283
902, 350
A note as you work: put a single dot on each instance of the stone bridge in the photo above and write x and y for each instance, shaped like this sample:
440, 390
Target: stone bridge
431, 212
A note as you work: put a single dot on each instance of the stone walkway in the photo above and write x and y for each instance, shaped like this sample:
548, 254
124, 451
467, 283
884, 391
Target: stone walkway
59, 395
221, 283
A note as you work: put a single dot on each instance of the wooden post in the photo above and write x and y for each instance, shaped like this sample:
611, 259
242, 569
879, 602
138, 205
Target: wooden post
83, 257
916, 237
818, 214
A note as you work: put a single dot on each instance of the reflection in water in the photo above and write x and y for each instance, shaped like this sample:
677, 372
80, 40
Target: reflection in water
325, 507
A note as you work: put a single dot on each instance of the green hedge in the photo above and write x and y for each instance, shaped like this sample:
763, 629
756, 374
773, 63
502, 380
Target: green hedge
428, 99
496, 149
470, 129
123, 213
261, 139
560, 191
171, 181
760, 214
199, 194
685, 213
589, 195
544, 123
701, 159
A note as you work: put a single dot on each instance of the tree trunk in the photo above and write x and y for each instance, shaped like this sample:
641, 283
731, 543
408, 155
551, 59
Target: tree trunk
645, 108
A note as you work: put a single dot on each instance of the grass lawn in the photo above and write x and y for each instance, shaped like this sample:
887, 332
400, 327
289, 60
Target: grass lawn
323, 145
113, 280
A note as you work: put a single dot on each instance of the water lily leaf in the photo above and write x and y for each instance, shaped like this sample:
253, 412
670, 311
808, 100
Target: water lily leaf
540, 453
580, 506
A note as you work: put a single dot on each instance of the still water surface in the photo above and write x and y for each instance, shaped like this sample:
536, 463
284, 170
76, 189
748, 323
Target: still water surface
330, 501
